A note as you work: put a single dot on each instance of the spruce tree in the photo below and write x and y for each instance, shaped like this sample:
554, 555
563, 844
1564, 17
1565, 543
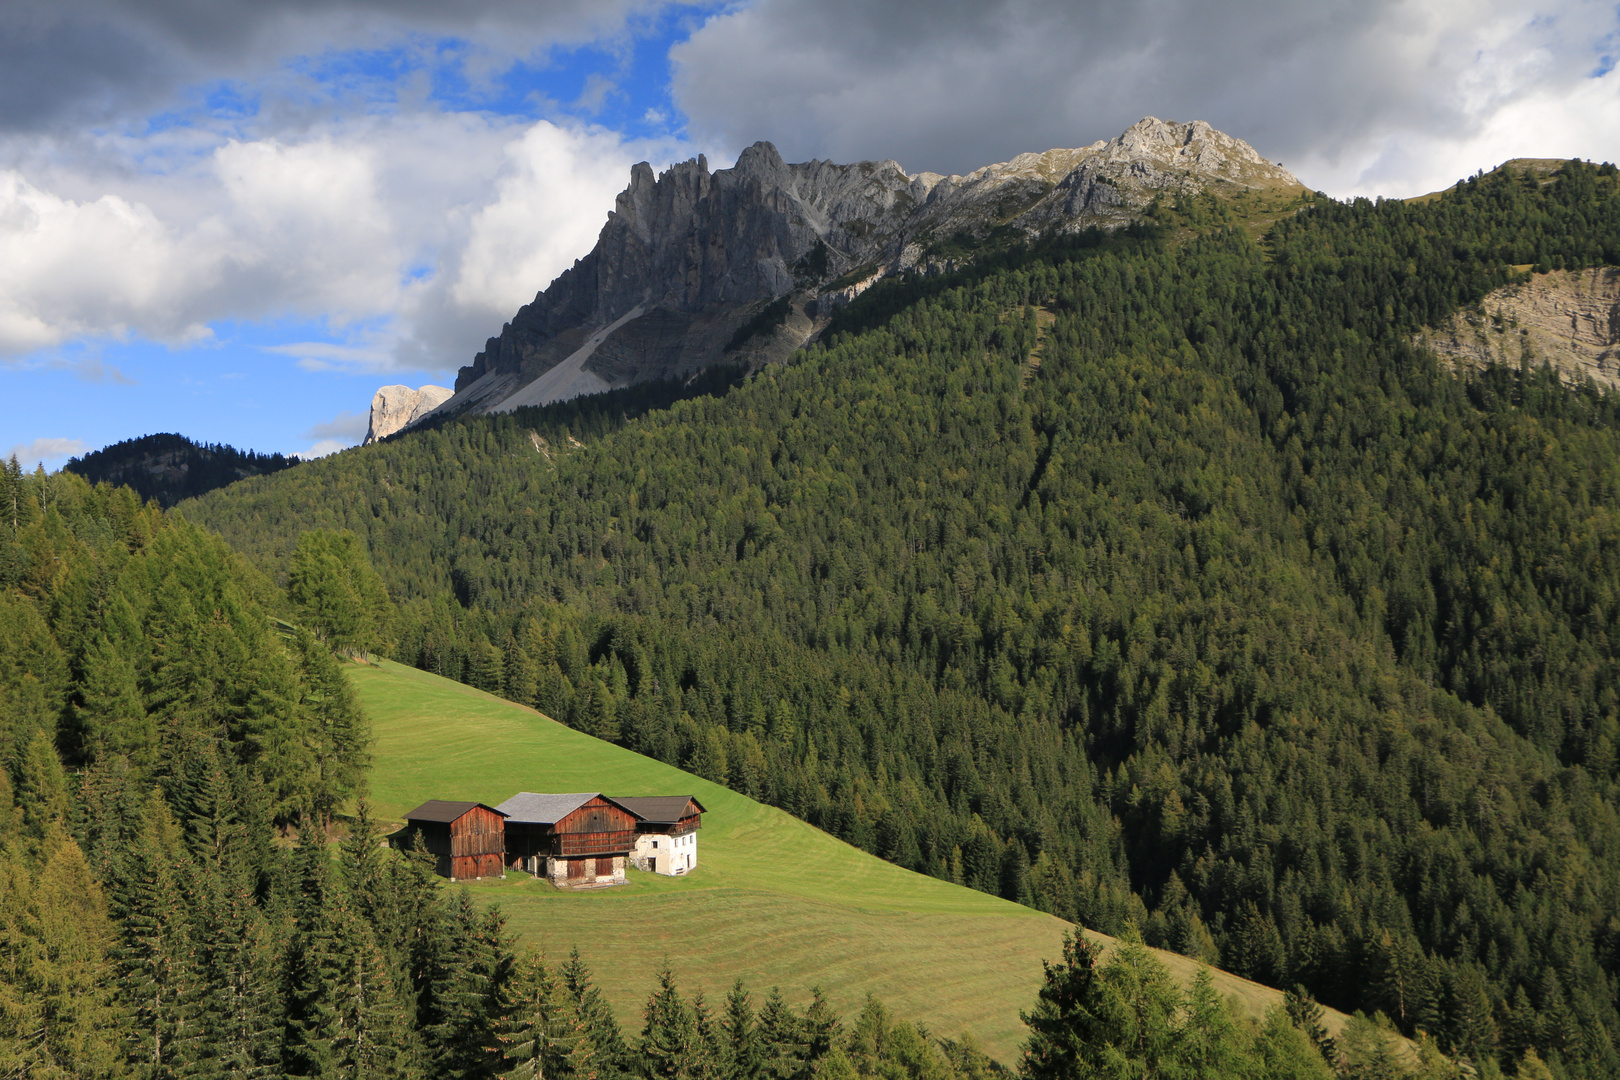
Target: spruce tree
611, 1054
781, 1038
710, 1052
1069, 1025
462, 1040
155, 954
744, 1054
1306, 1014
541, 1035
314, 966
236, 1001
669, 1047
819, 1029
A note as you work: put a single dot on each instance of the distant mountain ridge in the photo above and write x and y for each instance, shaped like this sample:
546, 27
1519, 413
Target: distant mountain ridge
689, 263
170, 467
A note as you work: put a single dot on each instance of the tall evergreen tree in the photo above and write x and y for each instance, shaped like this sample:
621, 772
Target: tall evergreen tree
155, 953
1069, 1025
744, 1054
542, 1035
612, 1057
669, 1048
463, 1035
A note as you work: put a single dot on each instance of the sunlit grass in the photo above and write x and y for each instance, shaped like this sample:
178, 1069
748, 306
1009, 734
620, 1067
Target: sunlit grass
773, 900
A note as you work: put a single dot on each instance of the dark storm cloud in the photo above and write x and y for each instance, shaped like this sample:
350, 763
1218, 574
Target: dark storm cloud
953, 85
67, 63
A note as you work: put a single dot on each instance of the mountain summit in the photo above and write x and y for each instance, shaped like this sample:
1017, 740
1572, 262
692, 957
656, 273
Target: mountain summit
748, 263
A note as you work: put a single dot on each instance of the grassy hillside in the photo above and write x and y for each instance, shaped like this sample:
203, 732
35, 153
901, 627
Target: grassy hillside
773, 899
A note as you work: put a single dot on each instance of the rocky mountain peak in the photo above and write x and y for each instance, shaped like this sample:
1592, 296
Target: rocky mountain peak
394, 408
688, 258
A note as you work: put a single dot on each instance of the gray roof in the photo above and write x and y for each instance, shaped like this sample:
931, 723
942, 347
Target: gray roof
527, 807
658, 809
442, 810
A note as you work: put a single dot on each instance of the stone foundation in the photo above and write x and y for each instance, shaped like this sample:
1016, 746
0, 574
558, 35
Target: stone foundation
557, 870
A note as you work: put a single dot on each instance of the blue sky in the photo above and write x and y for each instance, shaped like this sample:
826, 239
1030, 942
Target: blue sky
246, 381
237, 222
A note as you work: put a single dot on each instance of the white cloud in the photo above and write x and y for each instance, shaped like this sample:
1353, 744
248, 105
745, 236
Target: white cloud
306, 224
551, 200
75, 268
329, 356
322, 448
1581, 122
41, 451
413, 237
348, 426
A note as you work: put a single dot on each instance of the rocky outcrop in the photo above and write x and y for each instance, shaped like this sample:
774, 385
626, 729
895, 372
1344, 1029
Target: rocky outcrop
689, 257
394, 408
1569, 319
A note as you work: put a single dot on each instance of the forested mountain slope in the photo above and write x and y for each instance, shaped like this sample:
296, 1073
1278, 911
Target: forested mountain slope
1236, 616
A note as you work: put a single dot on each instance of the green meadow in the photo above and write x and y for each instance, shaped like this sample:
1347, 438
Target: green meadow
773, 900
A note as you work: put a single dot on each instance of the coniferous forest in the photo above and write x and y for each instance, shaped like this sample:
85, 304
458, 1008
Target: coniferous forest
1154, 579
1151, 579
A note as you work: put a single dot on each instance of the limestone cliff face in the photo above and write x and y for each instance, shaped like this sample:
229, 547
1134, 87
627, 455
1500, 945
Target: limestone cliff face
396, 407
1569, 319
689, 256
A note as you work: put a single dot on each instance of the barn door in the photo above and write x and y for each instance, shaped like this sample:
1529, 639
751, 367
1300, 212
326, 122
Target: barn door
576, 869
604, 867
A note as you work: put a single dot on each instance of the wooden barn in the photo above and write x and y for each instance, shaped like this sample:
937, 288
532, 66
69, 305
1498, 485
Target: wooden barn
468, 838
575, 840
666, 832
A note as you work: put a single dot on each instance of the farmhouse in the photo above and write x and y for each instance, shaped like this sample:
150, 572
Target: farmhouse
666, 832
576, 840
468, 838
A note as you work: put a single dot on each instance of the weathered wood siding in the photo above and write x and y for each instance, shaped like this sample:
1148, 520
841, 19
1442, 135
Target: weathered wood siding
477, 845
472, 846
597, 828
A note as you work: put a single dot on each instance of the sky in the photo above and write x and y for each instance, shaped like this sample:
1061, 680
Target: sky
236, 220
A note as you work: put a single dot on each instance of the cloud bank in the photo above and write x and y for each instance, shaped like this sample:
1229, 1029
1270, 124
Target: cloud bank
128, 57
1397, 96
412, 237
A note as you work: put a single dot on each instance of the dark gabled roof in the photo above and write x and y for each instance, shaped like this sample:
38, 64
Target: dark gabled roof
442, 810
659, 809
528, 808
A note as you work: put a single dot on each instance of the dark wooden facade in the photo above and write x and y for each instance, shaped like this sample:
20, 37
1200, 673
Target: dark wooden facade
600, 827
568, 837
665, 815
467, 839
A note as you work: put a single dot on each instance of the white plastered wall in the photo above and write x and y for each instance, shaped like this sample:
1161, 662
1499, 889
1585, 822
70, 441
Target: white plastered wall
659, 853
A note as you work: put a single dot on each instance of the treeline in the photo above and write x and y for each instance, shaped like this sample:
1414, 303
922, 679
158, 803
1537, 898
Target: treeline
1240, 620
170, 467
132, 637
155, 731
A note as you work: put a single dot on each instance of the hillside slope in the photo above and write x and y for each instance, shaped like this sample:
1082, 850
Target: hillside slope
1238, 617
773, 900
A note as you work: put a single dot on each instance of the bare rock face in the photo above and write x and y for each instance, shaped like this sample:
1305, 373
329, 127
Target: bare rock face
396, 407
689, 257
1569, 319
